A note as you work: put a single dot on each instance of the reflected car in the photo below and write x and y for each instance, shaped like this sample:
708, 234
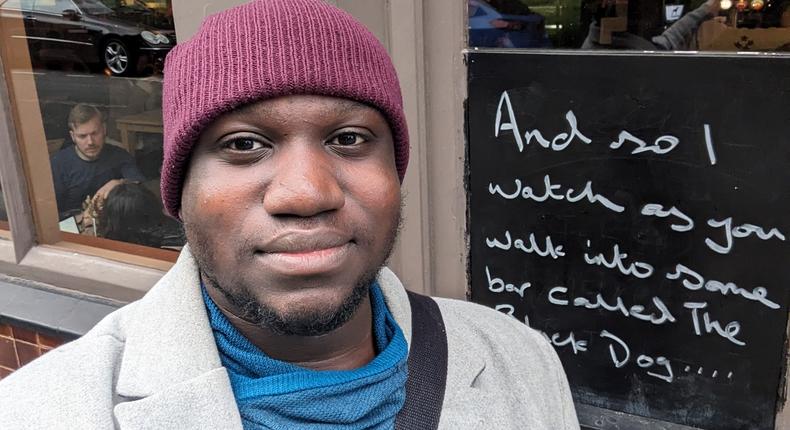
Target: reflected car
490, 28
138, 11
90, 32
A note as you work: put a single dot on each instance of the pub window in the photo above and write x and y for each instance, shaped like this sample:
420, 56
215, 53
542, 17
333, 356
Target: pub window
85, 79
644, 25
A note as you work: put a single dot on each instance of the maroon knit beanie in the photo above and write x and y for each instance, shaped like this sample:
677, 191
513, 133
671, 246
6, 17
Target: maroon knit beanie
262, 50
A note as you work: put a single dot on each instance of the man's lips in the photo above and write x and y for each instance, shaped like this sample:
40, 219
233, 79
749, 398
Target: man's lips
306, 252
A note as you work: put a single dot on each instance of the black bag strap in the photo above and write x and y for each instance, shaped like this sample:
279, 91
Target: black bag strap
427, 366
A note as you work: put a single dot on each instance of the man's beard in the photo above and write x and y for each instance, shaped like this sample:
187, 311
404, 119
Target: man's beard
304, 323
297, 323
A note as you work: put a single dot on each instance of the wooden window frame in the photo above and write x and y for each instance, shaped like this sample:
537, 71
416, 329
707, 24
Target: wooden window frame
103, 267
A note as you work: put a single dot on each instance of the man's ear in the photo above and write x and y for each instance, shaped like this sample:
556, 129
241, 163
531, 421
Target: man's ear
71, 134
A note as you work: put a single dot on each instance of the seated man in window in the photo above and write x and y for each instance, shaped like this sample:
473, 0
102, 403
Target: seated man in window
89, 167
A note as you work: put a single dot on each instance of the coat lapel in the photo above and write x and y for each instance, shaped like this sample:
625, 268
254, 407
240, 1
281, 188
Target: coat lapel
203, 402
171, 375
461, 375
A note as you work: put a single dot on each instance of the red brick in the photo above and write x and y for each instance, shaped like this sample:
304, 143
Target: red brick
27, 352
48, 341
24, 334
5, 330
4, 372
8, 356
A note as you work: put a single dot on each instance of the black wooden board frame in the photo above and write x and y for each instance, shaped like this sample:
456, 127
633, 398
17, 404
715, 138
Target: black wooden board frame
592, 417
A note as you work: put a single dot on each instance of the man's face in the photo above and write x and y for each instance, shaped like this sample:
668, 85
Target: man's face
89, 138
291, 205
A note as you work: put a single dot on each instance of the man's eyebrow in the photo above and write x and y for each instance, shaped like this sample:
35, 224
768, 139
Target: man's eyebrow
250, 109
349, 106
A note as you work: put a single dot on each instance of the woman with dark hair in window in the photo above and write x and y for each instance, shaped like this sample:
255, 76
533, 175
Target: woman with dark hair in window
132, 213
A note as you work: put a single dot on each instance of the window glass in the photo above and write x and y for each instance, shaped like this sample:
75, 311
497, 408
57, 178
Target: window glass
643, 25
3, 214
53, 6
92, 7
16, 4
98, 91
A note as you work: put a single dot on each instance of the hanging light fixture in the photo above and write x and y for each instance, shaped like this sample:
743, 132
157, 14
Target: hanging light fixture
725, 4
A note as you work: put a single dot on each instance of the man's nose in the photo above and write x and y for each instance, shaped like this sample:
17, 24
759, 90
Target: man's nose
304, 184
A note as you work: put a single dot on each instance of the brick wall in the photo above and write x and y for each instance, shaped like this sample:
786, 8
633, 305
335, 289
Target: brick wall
19, 346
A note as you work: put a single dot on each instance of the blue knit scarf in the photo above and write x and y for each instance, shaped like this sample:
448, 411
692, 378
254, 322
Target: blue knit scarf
273, 394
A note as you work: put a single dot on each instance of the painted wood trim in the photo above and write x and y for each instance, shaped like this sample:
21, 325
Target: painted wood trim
444, 35
12, 177
782, 410
412, 256
594, 418
30, 141
122, 252
85, 273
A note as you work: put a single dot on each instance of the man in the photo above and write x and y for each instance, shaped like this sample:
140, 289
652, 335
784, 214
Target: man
285, 145
680, 36
89, 167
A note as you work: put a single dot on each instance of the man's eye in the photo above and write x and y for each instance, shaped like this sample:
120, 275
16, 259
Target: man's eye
244, 144
347, 139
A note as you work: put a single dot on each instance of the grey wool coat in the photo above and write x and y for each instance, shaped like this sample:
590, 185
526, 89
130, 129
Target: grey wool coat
153, 364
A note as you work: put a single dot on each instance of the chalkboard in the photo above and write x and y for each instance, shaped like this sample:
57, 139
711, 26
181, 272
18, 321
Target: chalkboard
636, 210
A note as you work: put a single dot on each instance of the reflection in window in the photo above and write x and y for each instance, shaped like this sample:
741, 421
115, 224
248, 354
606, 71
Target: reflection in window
53, 6
646, 25
506, 24
3, 212
132, 213
18, 4
97, 70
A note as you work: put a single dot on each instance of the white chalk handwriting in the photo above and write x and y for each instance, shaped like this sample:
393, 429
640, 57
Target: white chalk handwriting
741, 231
729, 331
644, 361
532, 246
576, 345
557, 296
638, 269
570, 194
662, 145
657, 210
694, 281
497, 285
558, 143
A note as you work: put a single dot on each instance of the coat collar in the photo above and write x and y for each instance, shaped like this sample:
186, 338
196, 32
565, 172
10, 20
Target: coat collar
171, 372
170, 361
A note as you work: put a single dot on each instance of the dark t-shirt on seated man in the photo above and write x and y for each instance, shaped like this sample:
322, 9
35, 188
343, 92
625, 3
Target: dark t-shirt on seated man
89, 167
75, 178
